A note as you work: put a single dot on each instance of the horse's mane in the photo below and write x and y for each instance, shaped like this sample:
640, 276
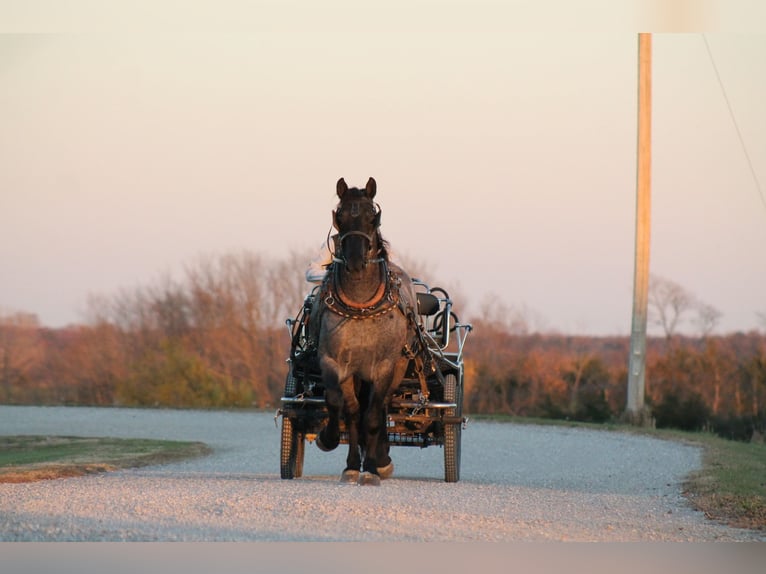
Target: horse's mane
383, 245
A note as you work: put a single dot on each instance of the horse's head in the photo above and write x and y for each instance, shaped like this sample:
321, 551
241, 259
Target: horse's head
357, 219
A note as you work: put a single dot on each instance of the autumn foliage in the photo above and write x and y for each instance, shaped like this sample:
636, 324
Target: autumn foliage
216, 338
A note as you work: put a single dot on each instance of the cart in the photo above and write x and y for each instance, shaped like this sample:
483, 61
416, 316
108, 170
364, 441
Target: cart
425, 410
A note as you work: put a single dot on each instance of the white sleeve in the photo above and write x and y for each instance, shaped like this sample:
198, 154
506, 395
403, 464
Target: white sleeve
316, 270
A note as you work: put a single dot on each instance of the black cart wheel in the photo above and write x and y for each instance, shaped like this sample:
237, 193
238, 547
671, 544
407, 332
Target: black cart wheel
293, 445
452, 431
292, 450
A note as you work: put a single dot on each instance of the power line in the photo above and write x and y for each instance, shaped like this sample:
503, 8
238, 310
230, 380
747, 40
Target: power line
736, 126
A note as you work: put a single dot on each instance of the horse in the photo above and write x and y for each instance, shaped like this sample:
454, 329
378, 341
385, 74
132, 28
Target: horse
366, 327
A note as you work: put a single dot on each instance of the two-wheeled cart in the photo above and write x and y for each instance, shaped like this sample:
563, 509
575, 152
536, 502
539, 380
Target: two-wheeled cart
425, 410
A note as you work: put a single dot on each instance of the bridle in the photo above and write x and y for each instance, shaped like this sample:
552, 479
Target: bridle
387, 296
338, 256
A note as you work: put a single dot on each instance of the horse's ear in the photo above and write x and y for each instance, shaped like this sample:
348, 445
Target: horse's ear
341, 187
372, 187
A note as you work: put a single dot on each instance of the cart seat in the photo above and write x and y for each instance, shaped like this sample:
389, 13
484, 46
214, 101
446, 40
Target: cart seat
428, 304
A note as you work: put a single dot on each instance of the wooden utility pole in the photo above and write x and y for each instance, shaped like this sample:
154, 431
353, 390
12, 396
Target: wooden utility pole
636, 411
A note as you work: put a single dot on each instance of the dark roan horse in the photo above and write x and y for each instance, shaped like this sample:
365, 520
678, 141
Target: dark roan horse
365, 309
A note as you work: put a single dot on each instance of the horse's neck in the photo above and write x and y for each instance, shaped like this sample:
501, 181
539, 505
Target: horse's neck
363, 287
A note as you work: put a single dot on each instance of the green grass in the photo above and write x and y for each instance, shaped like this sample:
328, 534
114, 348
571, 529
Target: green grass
29, 458
731, 485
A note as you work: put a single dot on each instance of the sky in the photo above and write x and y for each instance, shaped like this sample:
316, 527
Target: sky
503, 146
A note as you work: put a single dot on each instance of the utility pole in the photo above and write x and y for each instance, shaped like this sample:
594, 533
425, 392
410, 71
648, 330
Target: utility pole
636, 411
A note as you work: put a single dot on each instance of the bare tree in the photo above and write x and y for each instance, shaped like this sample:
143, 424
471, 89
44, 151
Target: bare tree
20, 350
707, 318
494, 312
170, 308
669, 303
415, 267
287, 285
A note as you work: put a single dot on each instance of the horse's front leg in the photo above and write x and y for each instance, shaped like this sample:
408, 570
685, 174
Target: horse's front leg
353, 421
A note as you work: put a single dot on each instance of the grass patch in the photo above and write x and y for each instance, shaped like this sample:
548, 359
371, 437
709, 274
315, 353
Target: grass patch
731, 485
31, 458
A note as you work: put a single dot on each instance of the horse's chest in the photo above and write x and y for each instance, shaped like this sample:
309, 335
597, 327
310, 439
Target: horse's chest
359, 341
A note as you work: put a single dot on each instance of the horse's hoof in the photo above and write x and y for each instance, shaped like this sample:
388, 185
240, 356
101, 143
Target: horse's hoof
386, 471
349, 476
368, 479
322, 446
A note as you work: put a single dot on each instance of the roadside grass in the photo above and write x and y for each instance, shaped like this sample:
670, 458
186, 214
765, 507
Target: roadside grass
32, 458
731, 485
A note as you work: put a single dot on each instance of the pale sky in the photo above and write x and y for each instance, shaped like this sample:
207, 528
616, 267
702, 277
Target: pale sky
505, 157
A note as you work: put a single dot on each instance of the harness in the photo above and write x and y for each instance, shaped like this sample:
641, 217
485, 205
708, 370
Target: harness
385, 299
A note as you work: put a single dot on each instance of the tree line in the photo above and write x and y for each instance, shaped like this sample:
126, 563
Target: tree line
711, 383
215, 337
209, 339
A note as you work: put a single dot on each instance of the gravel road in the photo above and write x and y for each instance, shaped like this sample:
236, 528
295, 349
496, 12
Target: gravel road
518, 483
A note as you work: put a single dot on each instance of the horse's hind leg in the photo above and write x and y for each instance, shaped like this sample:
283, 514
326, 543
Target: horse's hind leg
382, 457
372, 426
385, 465
378, 466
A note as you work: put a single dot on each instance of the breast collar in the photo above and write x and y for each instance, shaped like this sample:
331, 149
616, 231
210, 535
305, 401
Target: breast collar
385, 299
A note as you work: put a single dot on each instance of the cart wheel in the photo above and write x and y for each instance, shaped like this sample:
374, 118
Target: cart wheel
452, 432
292, 450
293, 445
291, 385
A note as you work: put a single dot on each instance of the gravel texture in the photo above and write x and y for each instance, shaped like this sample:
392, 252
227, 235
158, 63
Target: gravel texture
518, 483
